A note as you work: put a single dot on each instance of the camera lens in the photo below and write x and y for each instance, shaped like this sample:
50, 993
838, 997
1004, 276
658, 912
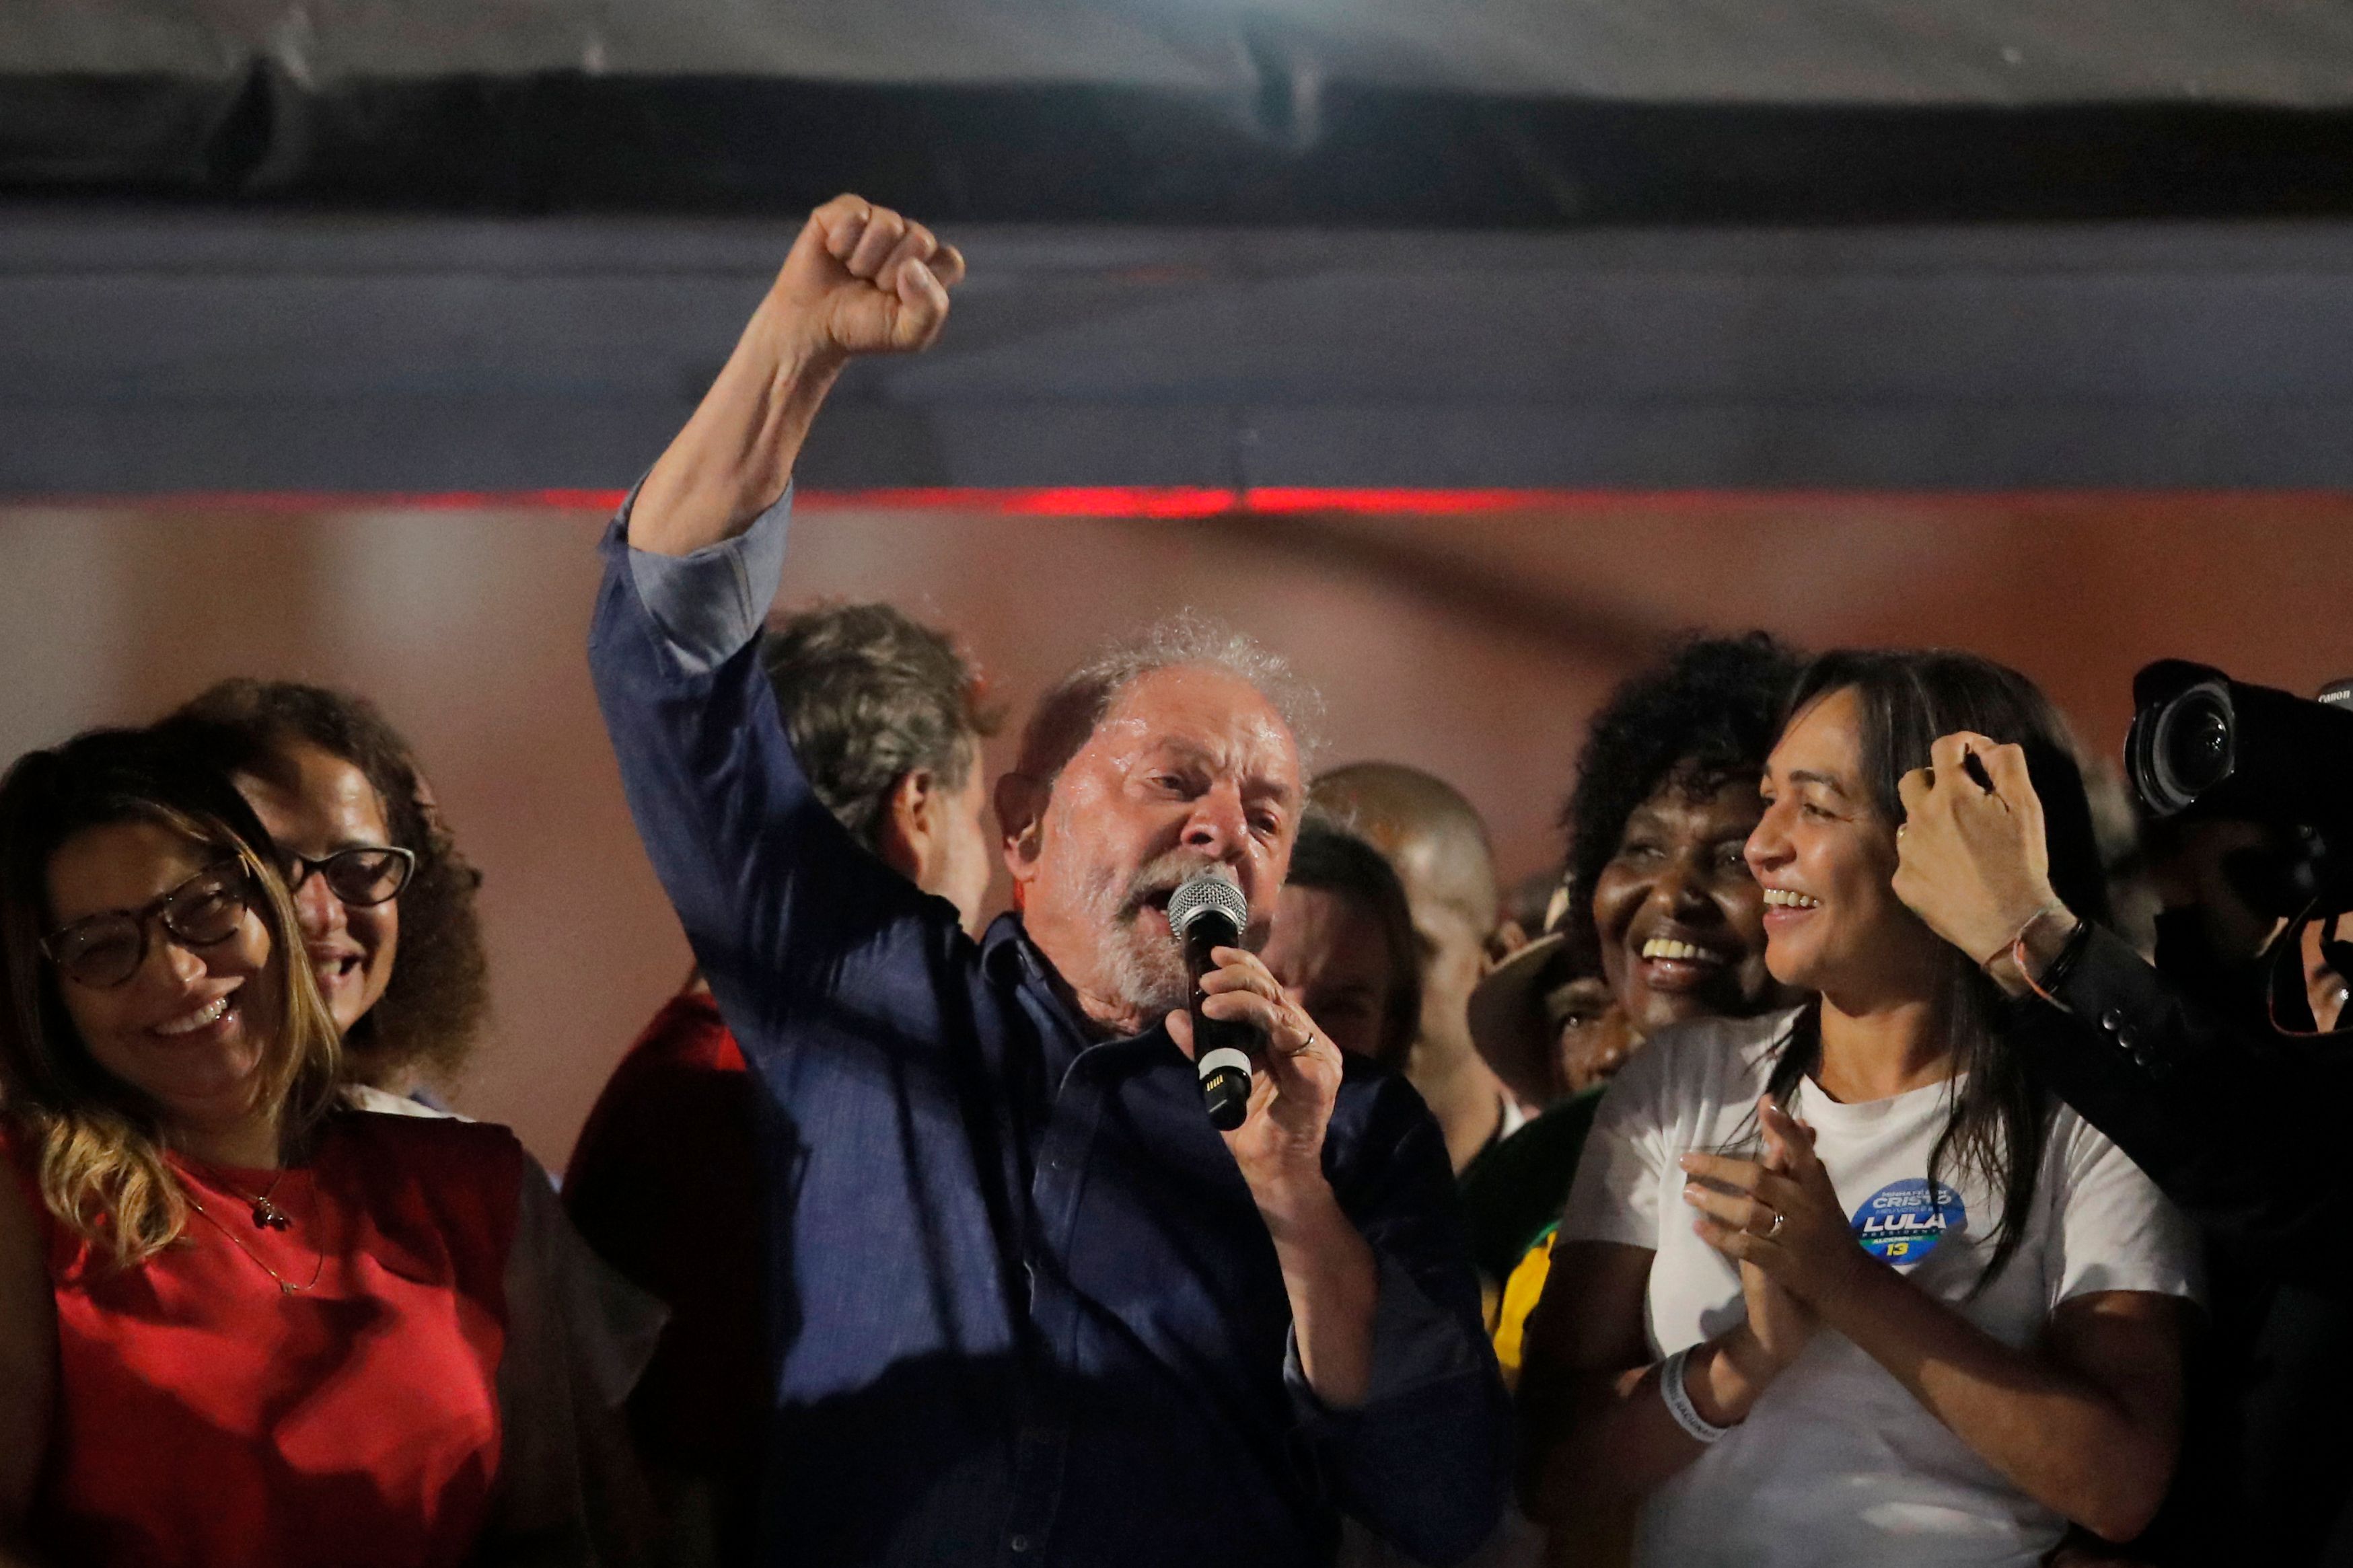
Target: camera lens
2193, 744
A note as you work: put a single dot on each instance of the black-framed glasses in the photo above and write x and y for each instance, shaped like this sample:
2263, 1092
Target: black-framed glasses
105, 950
362, 876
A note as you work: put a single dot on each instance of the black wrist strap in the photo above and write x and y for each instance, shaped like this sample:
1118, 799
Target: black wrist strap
2054, 975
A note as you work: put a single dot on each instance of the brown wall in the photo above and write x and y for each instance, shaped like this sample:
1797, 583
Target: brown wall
1473, 645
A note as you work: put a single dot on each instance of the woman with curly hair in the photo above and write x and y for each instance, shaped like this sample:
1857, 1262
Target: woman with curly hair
386, 899
1656, 904
1665, 796
243, 1325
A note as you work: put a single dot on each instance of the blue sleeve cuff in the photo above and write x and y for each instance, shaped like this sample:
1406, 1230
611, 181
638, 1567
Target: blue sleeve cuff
1415, 1342
710, 604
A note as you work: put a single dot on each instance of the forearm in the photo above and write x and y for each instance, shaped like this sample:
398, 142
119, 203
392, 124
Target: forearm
2055, 1435
2193, 1096
1334, 1285
1617, 1442
734, 457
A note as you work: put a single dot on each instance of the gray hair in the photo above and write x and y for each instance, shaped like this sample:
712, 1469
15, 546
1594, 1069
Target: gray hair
1069, 711
869, 694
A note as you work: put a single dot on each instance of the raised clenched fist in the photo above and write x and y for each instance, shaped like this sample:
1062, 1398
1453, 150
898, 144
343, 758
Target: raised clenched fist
863, 280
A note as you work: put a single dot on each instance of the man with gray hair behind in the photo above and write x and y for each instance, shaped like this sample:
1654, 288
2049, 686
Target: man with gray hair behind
1030, 1307
884, 714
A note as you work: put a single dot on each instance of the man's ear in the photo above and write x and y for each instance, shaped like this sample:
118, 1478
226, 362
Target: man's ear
910, 824
1021, 800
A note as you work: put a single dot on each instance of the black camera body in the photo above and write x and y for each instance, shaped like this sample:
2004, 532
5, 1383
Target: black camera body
2203, 745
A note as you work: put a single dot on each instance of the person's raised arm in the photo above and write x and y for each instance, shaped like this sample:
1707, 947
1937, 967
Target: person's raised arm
28, 1354
770, 889
860, 280
2193, 1098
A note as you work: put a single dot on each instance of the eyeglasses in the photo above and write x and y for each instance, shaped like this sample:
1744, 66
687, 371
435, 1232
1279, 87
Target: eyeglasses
105, 950
362, 876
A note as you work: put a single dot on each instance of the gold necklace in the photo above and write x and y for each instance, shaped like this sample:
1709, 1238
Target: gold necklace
266, 1215
286, 1286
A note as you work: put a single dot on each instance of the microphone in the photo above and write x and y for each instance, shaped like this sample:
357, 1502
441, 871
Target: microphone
1208, 911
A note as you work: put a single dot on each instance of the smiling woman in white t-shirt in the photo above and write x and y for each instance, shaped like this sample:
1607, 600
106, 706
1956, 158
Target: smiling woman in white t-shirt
1845, 1285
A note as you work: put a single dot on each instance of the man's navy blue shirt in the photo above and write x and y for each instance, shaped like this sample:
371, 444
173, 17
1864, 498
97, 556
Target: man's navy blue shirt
1022, 1307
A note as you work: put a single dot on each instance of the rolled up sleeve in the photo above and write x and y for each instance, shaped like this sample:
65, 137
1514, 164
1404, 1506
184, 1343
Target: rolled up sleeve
711, 603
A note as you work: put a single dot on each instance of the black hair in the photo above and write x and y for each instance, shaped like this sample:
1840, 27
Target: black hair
868, 696
1330, 858
1704, 717
1909, 698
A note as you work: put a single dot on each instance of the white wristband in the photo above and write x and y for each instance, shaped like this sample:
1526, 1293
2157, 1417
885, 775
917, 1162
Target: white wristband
1678, 1400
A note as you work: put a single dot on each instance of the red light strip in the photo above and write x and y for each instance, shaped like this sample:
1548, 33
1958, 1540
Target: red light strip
1129, 500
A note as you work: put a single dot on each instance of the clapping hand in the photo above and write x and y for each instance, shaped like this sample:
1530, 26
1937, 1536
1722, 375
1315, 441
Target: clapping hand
1787, 1222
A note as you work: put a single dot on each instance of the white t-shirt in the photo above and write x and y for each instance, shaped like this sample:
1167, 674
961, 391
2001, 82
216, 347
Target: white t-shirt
1837, 1464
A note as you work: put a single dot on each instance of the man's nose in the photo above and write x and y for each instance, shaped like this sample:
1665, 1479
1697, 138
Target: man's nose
1217, 827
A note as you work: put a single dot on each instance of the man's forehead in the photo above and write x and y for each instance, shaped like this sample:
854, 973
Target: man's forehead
1208, 715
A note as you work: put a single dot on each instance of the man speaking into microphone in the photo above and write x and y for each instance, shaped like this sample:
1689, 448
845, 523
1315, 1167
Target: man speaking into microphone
1027, 1304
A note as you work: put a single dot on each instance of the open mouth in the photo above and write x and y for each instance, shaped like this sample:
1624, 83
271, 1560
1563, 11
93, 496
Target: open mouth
337, 969
1674, 963
1788, 898
210, 1017
1676, 951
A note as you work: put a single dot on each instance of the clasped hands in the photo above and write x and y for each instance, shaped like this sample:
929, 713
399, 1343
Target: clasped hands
1780, 1220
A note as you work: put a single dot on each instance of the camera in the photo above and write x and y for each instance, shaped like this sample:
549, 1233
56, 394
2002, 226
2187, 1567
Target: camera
2203, 745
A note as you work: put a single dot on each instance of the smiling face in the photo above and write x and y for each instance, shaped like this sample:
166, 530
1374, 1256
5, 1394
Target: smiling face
319, 805
1190, 767
1679, 918
1824, 854
1330, 953
193, 1028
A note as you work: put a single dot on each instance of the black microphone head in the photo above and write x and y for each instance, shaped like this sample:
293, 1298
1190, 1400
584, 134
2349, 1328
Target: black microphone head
1211, 892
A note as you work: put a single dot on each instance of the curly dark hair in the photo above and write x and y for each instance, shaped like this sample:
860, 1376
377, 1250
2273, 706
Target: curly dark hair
869, 695
1704, 717
434, 1007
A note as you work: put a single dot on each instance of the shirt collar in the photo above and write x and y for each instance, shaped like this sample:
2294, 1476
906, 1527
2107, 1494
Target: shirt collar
1008, 957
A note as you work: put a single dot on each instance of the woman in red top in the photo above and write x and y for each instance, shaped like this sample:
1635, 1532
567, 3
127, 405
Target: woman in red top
240, 1324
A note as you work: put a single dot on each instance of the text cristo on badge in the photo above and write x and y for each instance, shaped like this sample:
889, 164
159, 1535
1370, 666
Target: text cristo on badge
1902, 1223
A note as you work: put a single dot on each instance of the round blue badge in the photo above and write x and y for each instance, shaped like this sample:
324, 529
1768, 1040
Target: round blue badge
1902, 1223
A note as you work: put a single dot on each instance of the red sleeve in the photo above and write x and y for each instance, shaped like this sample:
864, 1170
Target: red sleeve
664, 1184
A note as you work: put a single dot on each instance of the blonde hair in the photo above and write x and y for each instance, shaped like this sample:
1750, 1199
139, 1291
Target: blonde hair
99, 1144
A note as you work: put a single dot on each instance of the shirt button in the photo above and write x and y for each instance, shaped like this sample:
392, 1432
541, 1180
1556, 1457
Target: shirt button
1019, 1544
2128, 1042
2112, 1020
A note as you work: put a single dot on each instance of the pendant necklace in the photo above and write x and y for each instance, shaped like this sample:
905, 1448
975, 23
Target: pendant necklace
267, 1215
